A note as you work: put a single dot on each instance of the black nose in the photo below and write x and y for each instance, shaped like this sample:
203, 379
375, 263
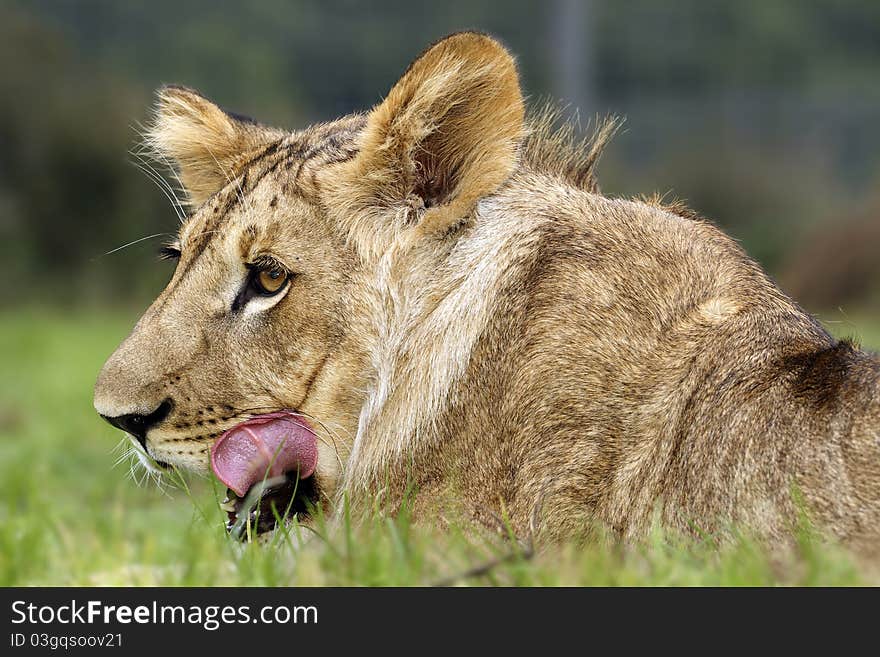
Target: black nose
138, 425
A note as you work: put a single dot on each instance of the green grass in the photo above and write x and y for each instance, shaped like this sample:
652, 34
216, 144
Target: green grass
69, 517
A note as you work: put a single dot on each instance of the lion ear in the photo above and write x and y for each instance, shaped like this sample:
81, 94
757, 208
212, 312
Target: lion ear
446, 135
206, 145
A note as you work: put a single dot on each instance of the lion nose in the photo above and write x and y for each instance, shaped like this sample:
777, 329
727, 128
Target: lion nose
138, 425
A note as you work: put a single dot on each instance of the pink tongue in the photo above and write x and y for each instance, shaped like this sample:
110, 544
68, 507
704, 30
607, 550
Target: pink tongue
264, 446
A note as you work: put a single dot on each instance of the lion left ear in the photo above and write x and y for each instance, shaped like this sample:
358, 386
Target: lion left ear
206, 145
446, 135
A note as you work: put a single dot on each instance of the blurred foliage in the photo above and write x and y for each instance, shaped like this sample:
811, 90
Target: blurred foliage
763, 115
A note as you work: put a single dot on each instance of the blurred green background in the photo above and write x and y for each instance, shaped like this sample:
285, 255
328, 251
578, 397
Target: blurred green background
763, 114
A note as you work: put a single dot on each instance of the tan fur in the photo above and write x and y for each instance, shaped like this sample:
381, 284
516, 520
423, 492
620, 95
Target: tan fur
552, 147
469, 316
446, 136
209, 147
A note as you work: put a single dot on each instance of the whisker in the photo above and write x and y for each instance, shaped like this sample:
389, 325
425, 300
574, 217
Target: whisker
325, 425
158, 177
133, 242
164, 187
324, 441
146, 150
183, 213
125, 456
332, 434
121, 445
164, 485
143, 159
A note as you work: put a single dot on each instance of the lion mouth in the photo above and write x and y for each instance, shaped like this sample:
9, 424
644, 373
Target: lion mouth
267, 463
267, 504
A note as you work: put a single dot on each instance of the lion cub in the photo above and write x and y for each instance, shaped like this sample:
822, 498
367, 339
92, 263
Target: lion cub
434, 295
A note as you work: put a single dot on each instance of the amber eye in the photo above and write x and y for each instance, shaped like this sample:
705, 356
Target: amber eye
270, 281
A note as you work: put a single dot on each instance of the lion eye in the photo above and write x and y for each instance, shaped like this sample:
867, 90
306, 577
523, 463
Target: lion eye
270, 281
265, 278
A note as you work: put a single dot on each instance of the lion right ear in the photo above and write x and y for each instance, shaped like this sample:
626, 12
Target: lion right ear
446, 135
206, 145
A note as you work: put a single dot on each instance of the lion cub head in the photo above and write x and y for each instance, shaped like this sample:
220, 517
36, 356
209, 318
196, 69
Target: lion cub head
273, 305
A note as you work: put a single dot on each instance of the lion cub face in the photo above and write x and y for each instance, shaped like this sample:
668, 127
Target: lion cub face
278, 291
250, 318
